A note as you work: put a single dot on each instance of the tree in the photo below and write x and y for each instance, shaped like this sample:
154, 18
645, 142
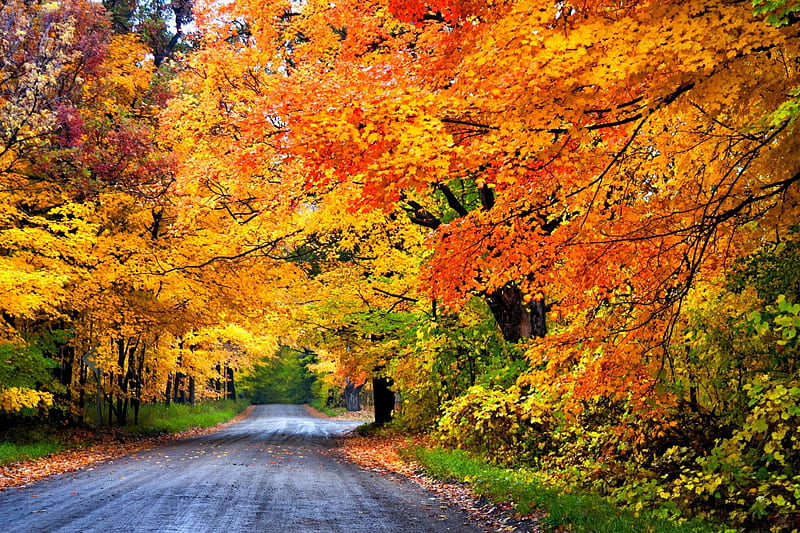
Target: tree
91, 241
606, 166
159, 24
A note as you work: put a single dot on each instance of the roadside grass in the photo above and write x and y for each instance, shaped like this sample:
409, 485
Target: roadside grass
371, 429
321, 405
565, 511
174, 418
11, 452
23, 444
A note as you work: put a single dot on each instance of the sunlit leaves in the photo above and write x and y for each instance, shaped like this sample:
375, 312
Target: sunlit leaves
779, 12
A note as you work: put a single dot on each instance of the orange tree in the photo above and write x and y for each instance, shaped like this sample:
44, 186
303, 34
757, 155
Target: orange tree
586, 169
605, 155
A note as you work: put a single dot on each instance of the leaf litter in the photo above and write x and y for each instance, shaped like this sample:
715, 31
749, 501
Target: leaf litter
381, 454
109, 445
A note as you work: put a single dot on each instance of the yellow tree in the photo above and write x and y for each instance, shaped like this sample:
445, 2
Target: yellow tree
45, 50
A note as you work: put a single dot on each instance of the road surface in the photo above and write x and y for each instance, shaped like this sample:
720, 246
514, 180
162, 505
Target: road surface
274, 471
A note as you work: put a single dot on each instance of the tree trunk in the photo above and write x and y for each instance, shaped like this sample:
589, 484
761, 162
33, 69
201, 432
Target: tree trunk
351, 392
65, 372
231, 385
136, 401
178, 394
192, 392
384, 400
110, 409
168, 391
516, 319
121, 411
83, 377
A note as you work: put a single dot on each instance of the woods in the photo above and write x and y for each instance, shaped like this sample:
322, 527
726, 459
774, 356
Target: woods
564, 233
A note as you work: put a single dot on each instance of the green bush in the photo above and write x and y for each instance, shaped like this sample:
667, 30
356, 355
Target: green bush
563, 510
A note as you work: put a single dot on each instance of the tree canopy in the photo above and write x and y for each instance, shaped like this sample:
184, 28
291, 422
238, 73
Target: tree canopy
554, 226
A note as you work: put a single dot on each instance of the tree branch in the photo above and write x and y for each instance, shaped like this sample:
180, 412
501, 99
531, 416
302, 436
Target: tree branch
452, 201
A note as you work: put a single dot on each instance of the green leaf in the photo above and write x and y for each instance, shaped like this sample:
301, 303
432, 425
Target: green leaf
759, 425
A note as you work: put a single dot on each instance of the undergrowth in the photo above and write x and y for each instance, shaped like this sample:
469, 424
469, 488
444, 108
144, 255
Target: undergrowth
564, 511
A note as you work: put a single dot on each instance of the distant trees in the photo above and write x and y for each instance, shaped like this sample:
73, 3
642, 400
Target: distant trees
282, 379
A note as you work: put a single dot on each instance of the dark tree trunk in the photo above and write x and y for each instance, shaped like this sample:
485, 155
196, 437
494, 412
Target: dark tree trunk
192, 392
231, 385
110, 409
121, 409
178, 394
517, 320
168, 392
384, 400
136, 401
65, 371
351, 392
84, 378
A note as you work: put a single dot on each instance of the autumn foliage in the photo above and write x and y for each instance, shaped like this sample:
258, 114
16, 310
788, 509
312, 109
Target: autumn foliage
565, 231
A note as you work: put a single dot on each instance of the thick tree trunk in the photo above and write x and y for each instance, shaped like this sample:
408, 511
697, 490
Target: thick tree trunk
122, 411
384, 400
351, 392
516, 319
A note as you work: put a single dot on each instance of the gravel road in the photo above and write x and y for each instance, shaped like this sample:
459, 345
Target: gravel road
274, 471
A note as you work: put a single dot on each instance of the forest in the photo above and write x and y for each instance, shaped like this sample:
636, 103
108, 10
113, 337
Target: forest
564, 234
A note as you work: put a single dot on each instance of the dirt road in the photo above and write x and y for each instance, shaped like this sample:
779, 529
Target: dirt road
275, 471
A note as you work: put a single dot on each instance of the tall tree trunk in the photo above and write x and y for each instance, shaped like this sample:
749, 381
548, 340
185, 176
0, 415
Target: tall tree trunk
65, 372
384, 400
110, 409
83, 378
168, 391
191, 390
516, 319
351, 392
138, 384
122, 381
231, 385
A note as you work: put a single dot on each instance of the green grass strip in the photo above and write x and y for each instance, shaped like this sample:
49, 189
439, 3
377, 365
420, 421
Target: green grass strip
174, 418
564, 510
154, 419
11, 452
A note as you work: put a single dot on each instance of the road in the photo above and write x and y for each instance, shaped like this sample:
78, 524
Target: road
274, 471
